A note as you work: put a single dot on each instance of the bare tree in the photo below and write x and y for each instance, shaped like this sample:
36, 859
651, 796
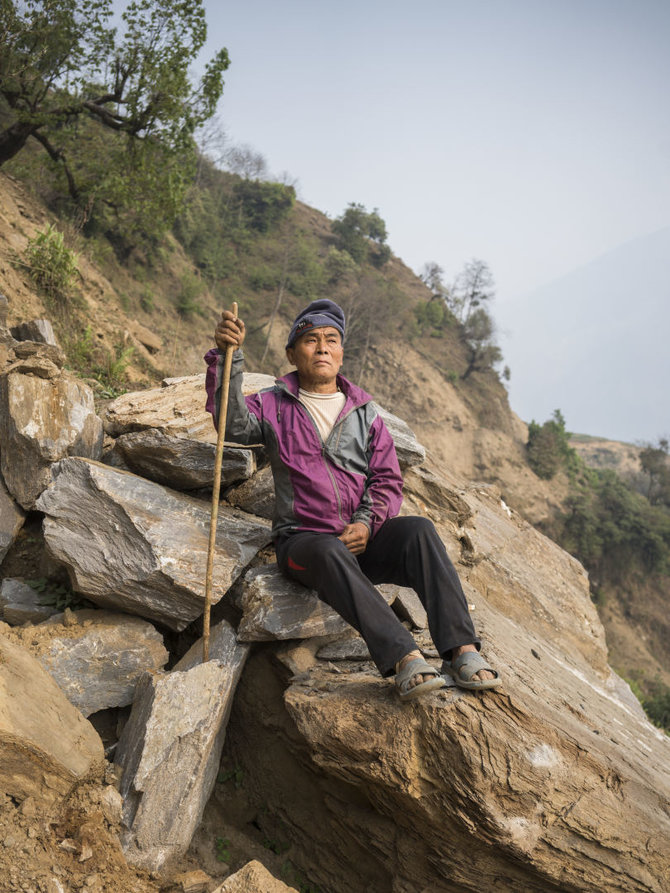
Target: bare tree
473, 287
432, 274
244, 160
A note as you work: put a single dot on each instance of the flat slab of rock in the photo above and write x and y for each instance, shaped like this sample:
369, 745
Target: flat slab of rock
97, 657
170, 751
35, 330
275, 607
20, 603
137, 546
179, 462
253, 878
12, 517
149, 339
177, 408
46, 745
351, 648
41, 421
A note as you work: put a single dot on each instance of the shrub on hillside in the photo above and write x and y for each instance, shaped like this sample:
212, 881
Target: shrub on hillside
262, 205
657, 706
188, 299
52, 265
613, 530
433, 316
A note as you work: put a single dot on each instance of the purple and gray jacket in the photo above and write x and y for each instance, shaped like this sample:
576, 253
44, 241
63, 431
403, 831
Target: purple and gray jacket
319, 486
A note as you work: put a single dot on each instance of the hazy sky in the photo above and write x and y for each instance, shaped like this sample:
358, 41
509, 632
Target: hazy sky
534, 134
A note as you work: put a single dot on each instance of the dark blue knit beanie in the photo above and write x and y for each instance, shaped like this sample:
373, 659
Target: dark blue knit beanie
318, 313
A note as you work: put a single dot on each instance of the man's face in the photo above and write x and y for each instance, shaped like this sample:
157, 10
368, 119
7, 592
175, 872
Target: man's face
317, 355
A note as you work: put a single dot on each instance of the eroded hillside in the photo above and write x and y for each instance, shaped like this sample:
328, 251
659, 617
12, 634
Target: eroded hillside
124, 327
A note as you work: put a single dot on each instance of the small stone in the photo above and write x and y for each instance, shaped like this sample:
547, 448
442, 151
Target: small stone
69, 618
28, 808
111, 803
193, 881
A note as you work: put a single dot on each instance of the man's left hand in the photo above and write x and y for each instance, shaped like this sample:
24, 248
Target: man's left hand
355, 537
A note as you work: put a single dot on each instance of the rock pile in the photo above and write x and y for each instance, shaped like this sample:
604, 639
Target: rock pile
556, 782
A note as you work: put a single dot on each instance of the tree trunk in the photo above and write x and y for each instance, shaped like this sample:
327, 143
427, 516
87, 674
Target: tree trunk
13, 139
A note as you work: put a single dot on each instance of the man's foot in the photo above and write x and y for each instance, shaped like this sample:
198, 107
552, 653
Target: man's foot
415, 680
414, 677
469, 670
480, 676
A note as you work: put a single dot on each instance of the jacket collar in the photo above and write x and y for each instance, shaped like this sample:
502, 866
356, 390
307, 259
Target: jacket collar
352, 392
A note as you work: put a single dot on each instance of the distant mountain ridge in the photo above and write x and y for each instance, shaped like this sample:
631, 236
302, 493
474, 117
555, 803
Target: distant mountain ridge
594, 344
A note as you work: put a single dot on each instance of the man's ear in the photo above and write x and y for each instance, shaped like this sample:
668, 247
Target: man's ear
290, 354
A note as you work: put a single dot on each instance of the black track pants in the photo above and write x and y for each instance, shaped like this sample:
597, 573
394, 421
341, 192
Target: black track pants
406, 551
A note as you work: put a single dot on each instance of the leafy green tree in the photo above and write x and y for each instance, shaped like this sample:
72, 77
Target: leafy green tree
362, 234
613, 530
479, 333
655, 463
548, 446
67, 77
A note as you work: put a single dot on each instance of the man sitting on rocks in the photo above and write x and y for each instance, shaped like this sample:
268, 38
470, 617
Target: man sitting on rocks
338, 491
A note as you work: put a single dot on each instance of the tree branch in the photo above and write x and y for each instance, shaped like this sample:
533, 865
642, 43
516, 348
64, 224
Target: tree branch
57, 156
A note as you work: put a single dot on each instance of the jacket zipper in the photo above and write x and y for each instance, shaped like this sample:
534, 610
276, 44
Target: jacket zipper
324, 453
325, 457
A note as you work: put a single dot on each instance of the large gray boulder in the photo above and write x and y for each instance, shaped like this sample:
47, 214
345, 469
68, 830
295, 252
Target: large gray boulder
42, 420
555, 782
46, 745
12, 517
136, 546
179, 462
177, 409
170, 751
97, 657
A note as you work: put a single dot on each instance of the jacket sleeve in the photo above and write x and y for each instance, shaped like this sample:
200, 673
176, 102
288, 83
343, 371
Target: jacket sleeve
382, 497
243, 419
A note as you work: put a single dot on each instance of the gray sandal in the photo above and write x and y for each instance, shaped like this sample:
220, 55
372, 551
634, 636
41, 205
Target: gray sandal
417, 667
464, 667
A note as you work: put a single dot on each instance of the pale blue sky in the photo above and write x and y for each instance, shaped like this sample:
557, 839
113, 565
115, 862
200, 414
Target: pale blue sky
533, 135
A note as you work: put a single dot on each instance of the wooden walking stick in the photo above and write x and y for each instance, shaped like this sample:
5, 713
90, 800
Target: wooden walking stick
216, 487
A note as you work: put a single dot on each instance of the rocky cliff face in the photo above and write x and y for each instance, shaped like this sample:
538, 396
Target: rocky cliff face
554, 782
